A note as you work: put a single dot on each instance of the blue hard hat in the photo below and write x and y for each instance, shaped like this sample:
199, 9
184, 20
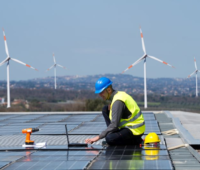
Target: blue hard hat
102, 84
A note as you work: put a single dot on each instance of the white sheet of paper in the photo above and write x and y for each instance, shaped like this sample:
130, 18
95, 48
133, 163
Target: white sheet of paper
36, 145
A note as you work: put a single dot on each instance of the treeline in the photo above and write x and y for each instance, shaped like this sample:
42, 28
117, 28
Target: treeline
61, 95
87, 100
48, 95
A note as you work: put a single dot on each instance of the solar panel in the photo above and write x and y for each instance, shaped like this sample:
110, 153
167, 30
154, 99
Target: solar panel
67, 153
55, 160
54, 129
13, 129
131, 157
49, 165
131, 147
65, 147
148, 117
147, 113
153, 122
152, 126
13, 156
80, 118
36, 158
57, 140
98, 127
89, 128
99, 118
49, 148
2, 164
57, 155
64, 123
6, 116
50, 118
130, 164
133, 152
29, 116
15, 120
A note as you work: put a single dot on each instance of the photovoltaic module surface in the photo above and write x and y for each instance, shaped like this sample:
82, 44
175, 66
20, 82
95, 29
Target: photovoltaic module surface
57, 155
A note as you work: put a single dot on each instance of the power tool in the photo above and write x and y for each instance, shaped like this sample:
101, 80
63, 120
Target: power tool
28, 132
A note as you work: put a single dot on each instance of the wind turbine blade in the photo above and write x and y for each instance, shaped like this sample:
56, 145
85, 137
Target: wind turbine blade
195, 64
143, 46
6, 46
61, 66
54, 59
191, 74
50, 67
140, 59
23, 63
160, 61
3, 62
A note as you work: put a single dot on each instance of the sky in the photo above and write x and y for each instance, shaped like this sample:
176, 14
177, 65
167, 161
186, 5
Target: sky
97, 37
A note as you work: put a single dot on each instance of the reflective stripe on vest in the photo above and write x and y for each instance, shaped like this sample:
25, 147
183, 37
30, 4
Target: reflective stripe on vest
131, 120
136, 126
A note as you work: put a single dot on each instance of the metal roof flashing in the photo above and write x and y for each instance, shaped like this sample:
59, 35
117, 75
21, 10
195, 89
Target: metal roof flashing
190, 142
185, 135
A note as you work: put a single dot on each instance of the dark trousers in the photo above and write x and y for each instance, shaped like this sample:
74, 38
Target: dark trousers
122, 136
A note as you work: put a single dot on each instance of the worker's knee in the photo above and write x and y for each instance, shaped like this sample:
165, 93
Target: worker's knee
110, 140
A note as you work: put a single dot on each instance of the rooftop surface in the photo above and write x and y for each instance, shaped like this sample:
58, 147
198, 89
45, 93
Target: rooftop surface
178, 147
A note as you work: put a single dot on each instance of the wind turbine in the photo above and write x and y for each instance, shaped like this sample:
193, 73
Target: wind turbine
144, 57
8, 68
196, 71
55, 69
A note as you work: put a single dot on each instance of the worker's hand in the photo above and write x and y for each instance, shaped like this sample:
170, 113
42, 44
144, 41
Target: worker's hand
92, 140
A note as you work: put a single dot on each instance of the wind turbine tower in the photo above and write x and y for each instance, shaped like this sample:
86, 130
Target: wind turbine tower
7, 60
54, 66
144, 57
196, 71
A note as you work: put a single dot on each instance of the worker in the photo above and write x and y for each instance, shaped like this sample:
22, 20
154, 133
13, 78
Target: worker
124, 119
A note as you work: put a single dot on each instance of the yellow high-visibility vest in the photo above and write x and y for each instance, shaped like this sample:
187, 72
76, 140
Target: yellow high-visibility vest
136, 121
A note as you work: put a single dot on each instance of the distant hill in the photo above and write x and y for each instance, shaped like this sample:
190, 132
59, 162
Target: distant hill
129, 83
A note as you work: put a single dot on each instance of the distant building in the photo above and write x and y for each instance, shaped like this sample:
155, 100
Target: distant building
2, 101
21, 101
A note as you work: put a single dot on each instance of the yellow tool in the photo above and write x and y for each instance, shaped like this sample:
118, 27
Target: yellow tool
28, 132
